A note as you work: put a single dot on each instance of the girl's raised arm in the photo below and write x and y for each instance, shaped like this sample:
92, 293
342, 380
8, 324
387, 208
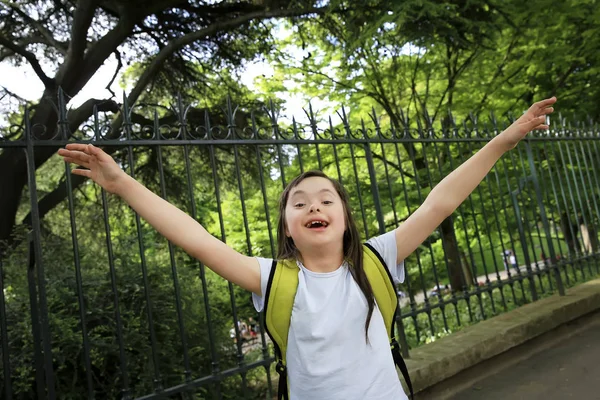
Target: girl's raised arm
178, 227
445, 198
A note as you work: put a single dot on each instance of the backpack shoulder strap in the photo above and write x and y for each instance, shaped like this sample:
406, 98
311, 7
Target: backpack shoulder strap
279, 300
386, 297
383, 286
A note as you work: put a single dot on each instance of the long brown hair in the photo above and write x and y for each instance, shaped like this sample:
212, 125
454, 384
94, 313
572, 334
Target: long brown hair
352, 247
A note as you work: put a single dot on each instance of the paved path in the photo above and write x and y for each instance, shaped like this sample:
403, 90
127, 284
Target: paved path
567, 369
493, 277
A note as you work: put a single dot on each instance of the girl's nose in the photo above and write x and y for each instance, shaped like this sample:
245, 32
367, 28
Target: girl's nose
313, 208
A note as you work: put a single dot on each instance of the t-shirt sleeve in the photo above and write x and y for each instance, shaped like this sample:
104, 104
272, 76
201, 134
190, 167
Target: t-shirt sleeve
386, 246
265, 270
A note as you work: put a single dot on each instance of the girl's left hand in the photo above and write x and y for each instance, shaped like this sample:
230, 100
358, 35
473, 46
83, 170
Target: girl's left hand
534, 118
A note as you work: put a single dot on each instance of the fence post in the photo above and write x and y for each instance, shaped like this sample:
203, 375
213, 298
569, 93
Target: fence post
35, 261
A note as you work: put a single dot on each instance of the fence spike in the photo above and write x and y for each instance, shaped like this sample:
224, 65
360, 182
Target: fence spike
373, 116
294, 127
126, 117
63, 123
312, 119
207, 124
344, 118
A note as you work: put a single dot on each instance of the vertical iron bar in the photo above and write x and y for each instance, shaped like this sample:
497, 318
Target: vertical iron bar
215, 362
532, 288
593, 184
232, 133
496, 213
477, 237
35, 321
546, 225
522, 224
427, 310
573, 259
576, 185
587, 210
488, 230
174, 274
127, 124
530, 265
37, 259
573, 233
358, 191
4, 338
79, 282
413, 304
265, 349
467, 296
554, 262
374, 188
125, 391
500, 234
64, 127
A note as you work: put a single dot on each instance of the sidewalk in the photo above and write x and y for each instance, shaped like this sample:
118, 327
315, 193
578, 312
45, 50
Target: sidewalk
567, 368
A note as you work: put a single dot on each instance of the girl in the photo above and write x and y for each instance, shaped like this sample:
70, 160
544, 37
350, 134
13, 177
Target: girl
337, 344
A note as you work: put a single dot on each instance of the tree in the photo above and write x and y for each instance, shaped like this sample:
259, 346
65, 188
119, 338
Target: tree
168, 38
374, 70
412, 62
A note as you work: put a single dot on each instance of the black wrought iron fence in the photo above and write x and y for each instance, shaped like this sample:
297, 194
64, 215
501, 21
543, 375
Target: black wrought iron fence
96, 304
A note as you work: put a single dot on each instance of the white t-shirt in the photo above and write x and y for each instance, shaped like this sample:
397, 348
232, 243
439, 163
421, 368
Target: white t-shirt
327, 355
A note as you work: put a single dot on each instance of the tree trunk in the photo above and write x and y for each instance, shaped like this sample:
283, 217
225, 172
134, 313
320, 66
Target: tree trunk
570, 233
457, 279
589, 235
13, 165
467, 270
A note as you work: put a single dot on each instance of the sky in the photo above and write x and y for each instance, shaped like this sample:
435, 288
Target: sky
23, 82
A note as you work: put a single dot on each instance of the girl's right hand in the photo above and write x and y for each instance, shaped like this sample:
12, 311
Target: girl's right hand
101, 167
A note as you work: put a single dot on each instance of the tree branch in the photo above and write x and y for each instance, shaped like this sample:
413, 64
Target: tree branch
29, 56
50, 40
82, 19
119, 66
94, 58
210, 30
176, 44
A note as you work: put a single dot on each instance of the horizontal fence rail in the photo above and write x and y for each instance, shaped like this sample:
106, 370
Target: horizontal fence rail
96, 304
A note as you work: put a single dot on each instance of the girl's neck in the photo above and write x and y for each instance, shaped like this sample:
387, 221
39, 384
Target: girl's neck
321, 261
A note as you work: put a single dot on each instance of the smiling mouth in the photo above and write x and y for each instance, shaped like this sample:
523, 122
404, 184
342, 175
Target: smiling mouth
317, 224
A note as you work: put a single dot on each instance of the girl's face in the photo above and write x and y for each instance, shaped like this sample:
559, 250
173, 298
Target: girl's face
314, 213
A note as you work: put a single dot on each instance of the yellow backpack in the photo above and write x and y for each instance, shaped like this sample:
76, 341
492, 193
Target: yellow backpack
279, 300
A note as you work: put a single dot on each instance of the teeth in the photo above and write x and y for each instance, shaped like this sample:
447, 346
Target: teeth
316, 222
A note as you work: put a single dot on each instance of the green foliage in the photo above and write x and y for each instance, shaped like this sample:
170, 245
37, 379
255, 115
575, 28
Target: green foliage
138, 297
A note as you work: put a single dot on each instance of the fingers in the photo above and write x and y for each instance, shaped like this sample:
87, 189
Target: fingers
83, 172
537, 123
77, 161
89, 149
545, 103
76, 146
74, 156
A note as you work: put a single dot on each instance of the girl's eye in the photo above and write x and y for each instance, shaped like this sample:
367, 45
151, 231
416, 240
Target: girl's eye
298, 205
328, 202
